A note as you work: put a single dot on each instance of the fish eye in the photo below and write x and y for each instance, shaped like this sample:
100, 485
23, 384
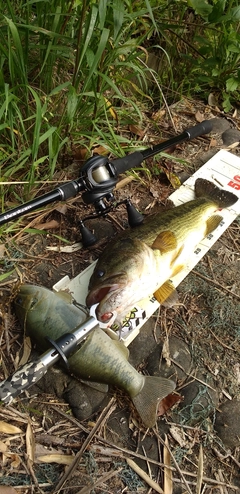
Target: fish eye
100, 273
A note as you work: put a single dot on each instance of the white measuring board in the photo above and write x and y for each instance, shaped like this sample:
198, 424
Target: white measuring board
223, 170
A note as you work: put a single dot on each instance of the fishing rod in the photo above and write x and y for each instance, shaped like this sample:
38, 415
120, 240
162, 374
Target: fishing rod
33, 371
97, 180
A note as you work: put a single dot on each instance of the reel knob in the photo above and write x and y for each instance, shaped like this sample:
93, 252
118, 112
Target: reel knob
88, 238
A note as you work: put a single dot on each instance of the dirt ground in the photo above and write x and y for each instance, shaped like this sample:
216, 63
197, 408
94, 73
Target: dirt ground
195, 446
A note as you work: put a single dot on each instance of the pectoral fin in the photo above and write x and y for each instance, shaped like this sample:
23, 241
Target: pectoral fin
177, 269
166, 294
212, 223
165, 242
176, 255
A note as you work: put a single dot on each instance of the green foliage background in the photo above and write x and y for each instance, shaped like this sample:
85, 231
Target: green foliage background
72, 72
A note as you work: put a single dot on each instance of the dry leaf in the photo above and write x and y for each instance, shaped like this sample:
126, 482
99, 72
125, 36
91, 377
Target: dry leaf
3, 447
15, 460
66, 248
106, 451
144, 476
125, 181
2, 250
158, 115
9, 428
5, 489
48, 225
173, 179
199, 116
111, 109
56, 458
79, 154
136, 130
27, 347
30, 442
167, 403
168, 483
179, 436
166, 352
212, 101
100, 150
200, 471
41, 450
236, 371
213, 143
62, 208
232, 146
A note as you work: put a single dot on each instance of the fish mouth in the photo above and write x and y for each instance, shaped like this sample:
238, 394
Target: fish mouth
101, 296
106, 317
96, 295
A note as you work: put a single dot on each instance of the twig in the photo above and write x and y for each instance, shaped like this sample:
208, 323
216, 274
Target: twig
128, 452
227, 455
111, 406
175, 463
161, 465
221, 342
87, 489
155, 325
200, 471
191, 375
144, 476
26, 486
217, 285
71, 419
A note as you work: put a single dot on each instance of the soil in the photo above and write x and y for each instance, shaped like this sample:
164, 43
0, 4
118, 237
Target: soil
195, 446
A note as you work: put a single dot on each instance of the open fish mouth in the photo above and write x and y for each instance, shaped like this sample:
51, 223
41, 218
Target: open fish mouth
106, 296
97, 295
106, 317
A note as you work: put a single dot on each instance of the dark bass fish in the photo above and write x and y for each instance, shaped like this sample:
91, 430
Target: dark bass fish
141, 262
99, 359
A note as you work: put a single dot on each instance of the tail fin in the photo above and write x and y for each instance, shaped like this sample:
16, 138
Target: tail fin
152, 392
222, 198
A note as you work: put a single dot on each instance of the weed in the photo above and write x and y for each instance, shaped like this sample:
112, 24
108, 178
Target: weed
75, 73
62, 65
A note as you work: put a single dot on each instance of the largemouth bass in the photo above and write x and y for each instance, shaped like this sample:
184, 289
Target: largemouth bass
142, 261
99, 359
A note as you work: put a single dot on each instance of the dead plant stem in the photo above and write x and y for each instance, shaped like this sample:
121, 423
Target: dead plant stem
217, 285
111, 406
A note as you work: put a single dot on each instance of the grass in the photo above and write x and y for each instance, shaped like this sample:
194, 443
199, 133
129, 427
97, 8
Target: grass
75, 73
63, 64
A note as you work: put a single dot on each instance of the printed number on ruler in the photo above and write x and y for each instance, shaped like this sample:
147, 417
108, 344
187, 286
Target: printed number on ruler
235, 183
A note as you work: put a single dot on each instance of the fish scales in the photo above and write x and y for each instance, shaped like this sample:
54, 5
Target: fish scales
142, 261
189, 213
43, 313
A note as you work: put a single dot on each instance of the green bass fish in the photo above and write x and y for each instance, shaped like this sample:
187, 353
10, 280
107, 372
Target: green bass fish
99, 359
141, 262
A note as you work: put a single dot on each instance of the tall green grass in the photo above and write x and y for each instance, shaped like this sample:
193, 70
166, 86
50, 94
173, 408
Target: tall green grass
75, 72
63, 65
201, 39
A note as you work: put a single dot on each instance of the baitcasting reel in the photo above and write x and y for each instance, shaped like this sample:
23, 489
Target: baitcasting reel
98, 178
